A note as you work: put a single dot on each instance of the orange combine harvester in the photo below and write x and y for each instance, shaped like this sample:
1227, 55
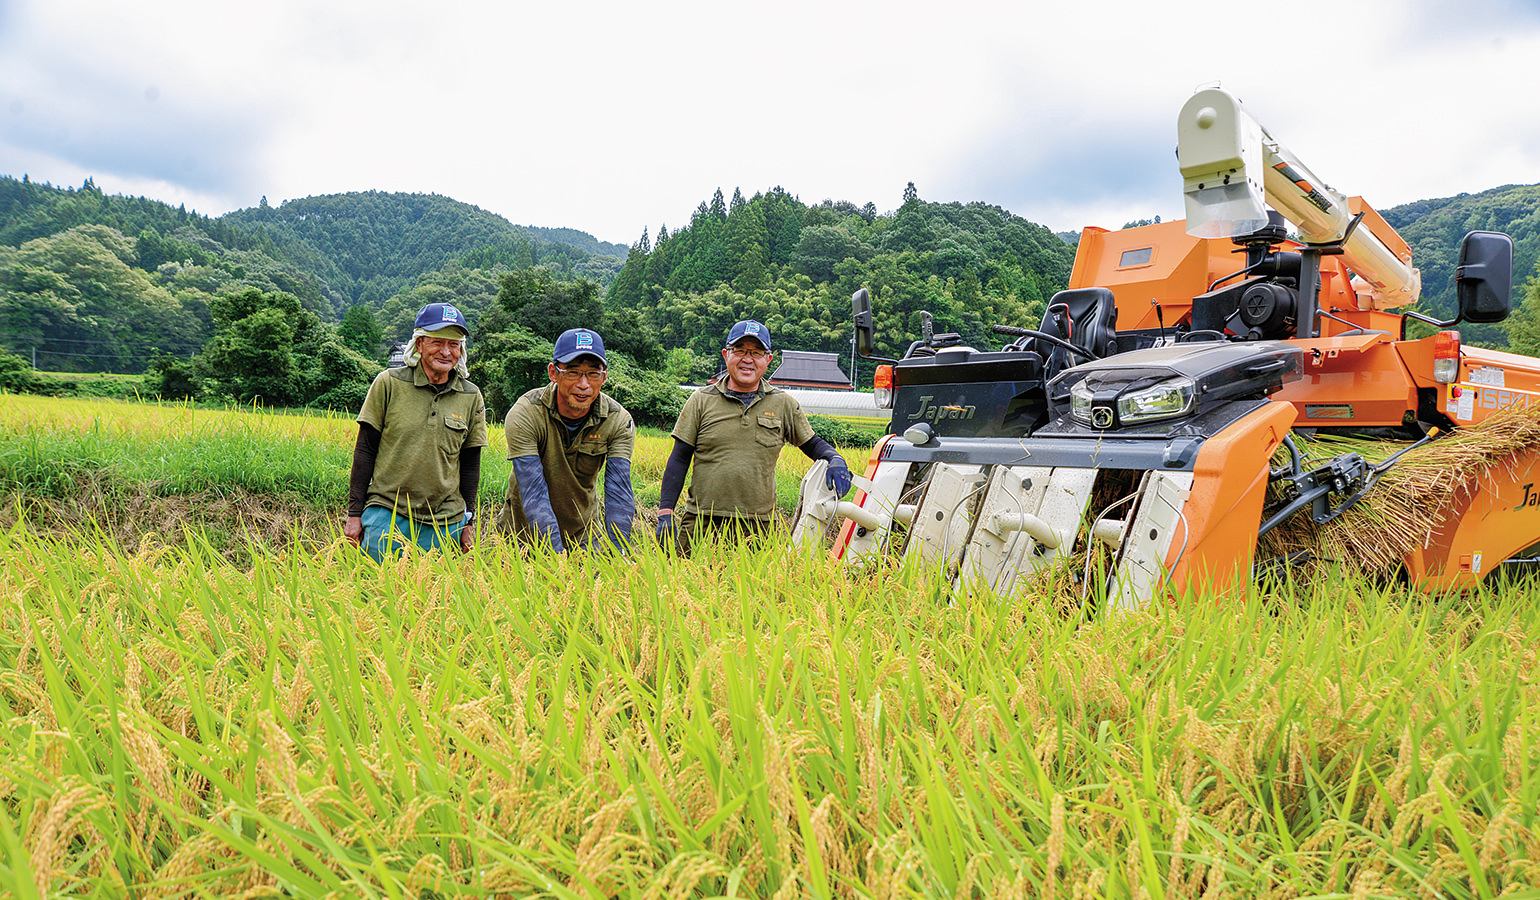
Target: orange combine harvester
1142, 420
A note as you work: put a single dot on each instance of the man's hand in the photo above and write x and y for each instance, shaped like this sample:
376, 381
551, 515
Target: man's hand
467, 536
667, 528
838, 477
353, 530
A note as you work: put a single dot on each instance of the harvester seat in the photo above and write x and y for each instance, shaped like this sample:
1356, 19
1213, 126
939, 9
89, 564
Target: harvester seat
1085, 317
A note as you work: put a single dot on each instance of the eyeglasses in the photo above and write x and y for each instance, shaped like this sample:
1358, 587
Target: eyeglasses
572, 376
755, 355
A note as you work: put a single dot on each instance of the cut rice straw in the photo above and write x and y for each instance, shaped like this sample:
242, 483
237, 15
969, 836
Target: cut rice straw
1414, 497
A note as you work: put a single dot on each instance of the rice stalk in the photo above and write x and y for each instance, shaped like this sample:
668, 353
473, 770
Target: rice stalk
1414, 497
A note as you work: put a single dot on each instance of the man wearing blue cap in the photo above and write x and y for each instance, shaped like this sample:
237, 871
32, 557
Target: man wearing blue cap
417, 460
559, 436
733, 431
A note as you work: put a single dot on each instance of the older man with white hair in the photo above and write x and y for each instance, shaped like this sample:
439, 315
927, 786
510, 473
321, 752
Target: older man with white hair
417, 461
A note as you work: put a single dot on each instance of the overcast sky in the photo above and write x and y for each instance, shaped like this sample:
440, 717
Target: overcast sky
610, 117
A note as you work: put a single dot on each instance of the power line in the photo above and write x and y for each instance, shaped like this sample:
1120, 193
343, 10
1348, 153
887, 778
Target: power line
117, 343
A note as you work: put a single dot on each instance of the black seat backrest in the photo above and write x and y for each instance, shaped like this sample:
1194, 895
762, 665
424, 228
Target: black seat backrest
1085, 317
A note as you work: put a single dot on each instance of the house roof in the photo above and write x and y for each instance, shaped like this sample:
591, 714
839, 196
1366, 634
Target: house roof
807, 368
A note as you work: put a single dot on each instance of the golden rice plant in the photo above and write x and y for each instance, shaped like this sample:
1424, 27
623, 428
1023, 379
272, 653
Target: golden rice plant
754, 721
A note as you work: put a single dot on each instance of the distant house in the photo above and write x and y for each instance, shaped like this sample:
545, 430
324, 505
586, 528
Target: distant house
809, 369
397, 356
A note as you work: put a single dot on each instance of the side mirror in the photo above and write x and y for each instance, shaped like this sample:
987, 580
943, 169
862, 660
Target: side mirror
1484, 278
861, 309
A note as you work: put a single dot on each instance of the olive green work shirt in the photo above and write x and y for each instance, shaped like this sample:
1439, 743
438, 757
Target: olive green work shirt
571, 461
422, 431
736, 448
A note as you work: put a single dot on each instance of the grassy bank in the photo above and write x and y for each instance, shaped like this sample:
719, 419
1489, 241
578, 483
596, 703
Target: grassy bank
746, 723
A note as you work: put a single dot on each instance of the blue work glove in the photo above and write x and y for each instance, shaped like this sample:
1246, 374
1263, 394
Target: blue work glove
666, 529
838, 477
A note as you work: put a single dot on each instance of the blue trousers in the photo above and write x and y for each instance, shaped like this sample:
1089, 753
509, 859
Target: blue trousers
387, 533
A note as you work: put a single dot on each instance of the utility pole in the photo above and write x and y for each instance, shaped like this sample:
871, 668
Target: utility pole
852, 359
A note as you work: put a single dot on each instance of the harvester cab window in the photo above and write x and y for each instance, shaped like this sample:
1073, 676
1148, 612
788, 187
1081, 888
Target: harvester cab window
1140, 257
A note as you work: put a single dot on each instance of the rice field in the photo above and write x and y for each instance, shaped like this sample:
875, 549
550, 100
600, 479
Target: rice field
751, 722
131, 468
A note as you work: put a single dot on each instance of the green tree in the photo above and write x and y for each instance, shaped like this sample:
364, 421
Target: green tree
1523, 326
507, 362
629, 288
626, 330
360, 331
18, 377
339, 377
540, 304
79, 299
171, 378
252, 355
652, 397
822, 247
745, 240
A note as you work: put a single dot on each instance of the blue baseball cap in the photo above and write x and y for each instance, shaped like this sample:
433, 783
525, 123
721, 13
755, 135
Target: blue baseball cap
436, 316
749, 328
575, 342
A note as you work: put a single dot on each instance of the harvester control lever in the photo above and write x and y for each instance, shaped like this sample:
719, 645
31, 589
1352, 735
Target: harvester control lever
929, 341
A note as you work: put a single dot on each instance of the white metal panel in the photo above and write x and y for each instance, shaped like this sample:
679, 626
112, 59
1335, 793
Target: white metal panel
1156, 521
882, 497
1002, 550
942, 523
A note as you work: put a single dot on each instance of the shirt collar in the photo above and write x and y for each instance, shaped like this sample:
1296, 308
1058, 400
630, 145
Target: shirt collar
720, 386
420, 378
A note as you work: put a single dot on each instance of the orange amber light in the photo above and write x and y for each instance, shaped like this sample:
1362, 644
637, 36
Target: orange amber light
1446, 357
882, 387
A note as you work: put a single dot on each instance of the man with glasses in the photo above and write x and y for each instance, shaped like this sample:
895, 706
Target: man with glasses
733, 431
417, 460
559, 437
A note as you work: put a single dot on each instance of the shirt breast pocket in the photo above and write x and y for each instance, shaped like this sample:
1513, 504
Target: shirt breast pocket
588, 461
452, 434
767, 431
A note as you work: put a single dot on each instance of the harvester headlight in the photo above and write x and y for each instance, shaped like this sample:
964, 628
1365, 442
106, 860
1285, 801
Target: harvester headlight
1080, 398
1169, 399
1166, 399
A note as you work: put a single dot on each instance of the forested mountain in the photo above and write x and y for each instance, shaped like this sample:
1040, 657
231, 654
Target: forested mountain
105, 283
579, 239
1434, 229
96, 282
794, 267
91, 282
369, 246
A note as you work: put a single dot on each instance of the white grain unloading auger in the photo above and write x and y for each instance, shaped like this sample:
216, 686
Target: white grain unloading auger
1138, 424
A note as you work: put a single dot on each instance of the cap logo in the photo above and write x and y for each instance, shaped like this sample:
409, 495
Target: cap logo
752, 328
585, 341
451, 314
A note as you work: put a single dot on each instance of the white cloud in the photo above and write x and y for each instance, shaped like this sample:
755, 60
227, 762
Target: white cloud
611, 117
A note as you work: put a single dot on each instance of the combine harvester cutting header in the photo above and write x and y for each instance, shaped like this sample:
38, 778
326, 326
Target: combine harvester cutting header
1141, 423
